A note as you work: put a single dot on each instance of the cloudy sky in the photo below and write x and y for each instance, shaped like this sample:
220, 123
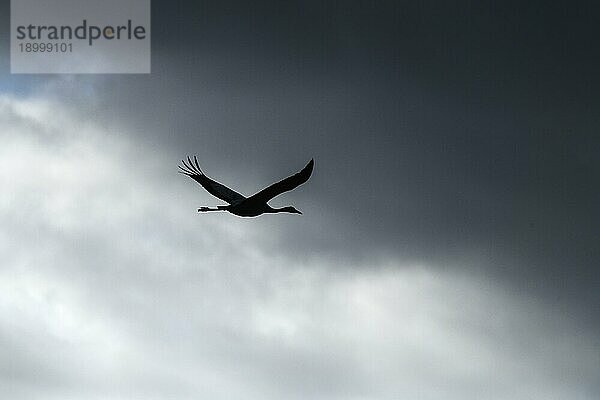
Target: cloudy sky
449, 244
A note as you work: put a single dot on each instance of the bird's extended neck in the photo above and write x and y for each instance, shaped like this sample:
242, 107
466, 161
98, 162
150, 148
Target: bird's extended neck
288, 209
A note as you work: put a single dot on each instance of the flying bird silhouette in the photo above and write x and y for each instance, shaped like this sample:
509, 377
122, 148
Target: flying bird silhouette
246, 206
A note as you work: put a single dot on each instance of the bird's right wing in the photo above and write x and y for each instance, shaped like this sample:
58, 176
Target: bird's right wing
285, 185
192, 169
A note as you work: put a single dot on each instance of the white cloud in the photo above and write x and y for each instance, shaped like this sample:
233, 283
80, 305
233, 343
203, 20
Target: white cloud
111, 286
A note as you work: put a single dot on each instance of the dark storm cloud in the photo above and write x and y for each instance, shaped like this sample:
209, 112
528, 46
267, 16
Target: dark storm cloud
443, 131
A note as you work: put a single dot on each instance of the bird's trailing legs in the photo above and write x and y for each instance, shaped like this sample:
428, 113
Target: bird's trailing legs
205, 209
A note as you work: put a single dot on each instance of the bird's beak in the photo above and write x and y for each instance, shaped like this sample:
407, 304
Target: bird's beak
299, 212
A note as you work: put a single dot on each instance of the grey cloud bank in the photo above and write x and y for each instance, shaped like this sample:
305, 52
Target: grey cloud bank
114, 287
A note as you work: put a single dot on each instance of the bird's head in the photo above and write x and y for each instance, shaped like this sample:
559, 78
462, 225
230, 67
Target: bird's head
291, 209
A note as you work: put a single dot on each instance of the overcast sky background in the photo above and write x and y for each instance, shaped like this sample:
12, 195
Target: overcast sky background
448, 247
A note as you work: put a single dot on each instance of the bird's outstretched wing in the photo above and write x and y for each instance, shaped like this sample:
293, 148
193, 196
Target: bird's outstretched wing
284, 185
192, 169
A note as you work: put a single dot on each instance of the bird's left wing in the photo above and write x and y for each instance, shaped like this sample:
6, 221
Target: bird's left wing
192, 169
285, 185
